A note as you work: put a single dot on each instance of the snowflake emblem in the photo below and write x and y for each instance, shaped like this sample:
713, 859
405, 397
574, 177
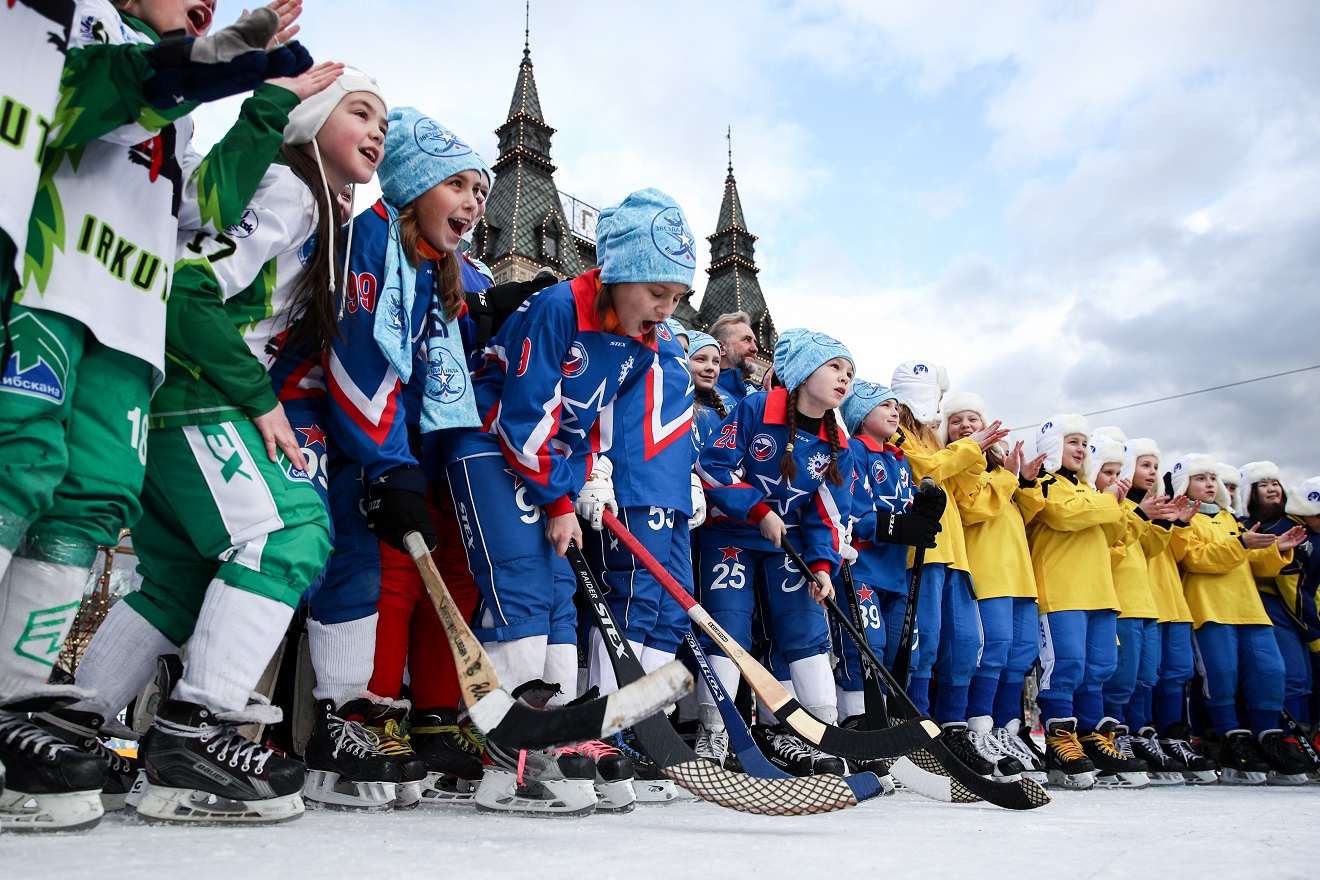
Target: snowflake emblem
623, 371
816, 466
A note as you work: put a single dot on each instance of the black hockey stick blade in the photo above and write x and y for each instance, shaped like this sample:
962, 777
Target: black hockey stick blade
746, 793
859, 745
517, 725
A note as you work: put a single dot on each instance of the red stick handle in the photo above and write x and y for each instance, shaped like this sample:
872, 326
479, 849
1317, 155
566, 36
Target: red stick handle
649, 562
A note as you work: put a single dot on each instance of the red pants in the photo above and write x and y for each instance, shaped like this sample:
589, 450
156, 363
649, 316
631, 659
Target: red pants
408, 630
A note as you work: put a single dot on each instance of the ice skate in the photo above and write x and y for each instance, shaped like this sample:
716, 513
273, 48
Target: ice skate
1114, 767
783, 749
1162, 767
1240, 760
83, 730
451, 754
543, 783
197, 769
713, 745
613, 778
50, 785
1286, 766
1066, 763
345, 769
1015, 740
980, 732
1200, 769
650, 784
957, 738
879, 768
385, 722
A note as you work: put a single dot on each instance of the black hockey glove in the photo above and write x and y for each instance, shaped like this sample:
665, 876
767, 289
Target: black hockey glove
913, 529
930, 500
491, 307
396, 505
233, 61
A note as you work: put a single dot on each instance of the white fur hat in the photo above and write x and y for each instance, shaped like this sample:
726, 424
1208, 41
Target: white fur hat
1101, 450
1049, 438
1111, 432
1304, 500
919, 385
1189, 466
1252, 473
1135, 449
956, 402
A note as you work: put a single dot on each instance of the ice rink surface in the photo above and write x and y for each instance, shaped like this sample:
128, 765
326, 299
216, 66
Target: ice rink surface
1204, 832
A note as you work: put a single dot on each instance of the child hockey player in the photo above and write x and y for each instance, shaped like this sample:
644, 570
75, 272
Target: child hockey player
995, 507
1234, 639
779, 466
97, 301
544, 395
947, 619
1070, 540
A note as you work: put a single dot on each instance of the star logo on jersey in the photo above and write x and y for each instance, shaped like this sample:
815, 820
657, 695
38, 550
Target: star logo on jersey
313, 435
763, 447
816, 466
575, 362
448, 380
783, 504
730, 553
517, 478
864, 593
592, 407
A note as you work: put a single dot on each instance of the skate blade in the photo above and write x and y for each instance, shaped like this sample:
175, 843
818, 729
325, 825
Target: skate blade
1165, 779
1074, 782
187, 806
114, 802
1287, 779
499, 792
408, 795
1134, 781
440, 790
44, 813
326, 789
1237, 777
617, 796
658, 792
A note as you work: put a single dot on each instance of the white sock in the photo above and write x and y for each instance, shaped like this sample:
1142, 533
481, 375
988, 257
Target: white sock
727, 672
344, 656
763, 713
120, 661
5, 555
38, 602
653, 658
237, 633
519, 661
850, 702
813, 685
600, 671
561, 667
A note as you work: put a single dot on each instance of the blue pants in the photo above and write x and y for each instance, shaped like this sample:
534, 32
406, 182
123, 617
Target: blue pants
882, 612
635, 597
1078, 653
1297, 678
948, 636
350, 587
1128, 690
1009, 647
525, 589
730, 578
1232, 656
1176, 669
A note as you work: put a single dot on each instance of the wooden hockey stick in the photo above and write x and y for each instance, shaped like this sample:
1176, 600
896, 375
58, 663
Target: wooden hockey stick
864, 745
517, 724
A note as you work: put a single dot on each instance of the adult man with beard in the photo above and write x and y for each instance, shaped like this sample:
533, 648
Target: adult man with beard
737, 346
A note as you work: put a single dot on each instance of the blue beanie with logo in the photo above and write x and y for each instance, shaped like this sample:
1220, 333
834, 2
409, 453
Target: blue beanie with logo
420, 153
863, 397
645, 238
698, 340
799, 351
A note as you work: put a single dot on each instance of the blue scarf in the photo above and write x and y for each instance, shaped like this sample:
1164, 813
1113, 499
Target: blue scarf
447, 399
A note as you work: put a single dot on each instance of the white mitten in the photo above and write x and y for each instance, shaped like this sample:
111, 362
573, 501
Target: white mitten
698, 503
597, 494
846, 549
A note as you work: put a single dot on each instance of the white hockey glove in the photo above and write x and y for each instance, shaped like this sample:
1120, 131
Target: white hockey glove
698, 503
846, 549
597, 494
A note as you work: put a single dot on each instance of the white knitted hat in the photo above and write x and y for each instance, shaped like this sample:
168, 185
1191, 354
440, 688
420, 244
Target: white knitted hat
1252, 473
1049, 438
1304, 500
956, 402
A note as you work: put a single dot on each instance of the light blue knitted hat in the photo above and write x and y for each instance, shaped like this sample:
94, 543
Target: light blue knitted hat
419, 153
697, 339
799, 351
646, 238
863, 397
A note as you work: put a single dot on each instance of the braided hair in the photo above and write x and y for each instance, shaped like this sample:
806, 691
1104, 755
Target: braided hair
788, 466
712, 400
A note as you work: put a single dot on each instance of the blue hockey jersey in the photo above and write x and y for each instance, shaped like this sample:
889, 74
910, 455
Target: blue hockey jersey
740, 471
882, 481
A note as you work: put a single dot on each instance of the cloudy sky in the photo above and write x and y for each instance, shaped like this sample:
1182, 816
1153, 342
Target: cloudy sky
1072, 205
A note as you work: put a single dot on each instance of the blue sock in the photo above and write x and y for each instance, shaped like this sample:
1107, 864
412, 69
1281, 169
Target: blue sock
1052, 707
1136, 714
919, 692
1114, 709
1090, 708
1167, 702
1223, 718
1008, 701
1299, 709
981, 696
1262, 719
950, 703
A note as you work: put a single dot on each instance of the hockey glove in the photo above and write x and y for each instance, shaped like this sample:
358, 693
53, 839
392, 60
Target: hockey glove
913, 529
846, 549
233, 61
698, 503
396, 505
930, 500
597, 494
491, 307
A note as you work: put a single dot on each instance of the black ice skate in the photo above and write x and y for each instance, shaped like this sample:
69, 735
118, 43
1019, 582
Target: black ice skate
614, 776
451, 753
1177, 743
1162, 767
1240, 760
1066, 763
385, 722
345, 769
1005, 766
199, 769
83, 730
1114, 767
1015, 740
545, 782
1287, 767
783, 749
713, 745
50, 785
957, 739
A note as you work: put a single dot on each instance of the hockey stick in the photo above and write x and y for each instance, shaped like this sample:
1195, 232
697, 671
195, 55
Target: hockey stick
876, 705
936, 499
760, 790
517, 725
863, 745
1296, 729
962, 785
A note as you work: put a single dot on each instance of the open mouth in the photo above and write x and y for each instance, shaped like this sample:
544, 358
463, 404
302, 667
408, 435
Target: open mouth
457, 226
372, 154
647, 326
199, 19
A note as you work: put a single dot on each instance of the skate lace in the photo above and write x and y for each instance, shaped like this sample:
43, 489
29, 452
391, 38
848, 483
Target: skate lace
593, 749
1124, 746
471, 739
1104, 744
1179, 748
1066, 745
25, 736
352, 737
390, 738
1158, 749
1014, 747
787, 745
987, 746
224, 742
620, 742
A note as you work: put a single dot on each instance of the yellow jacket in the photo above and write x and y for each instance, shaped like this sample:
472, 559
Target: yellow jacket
1219, 574
1131, 578
1070, 539
1165, 579
941, 465
995, 510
